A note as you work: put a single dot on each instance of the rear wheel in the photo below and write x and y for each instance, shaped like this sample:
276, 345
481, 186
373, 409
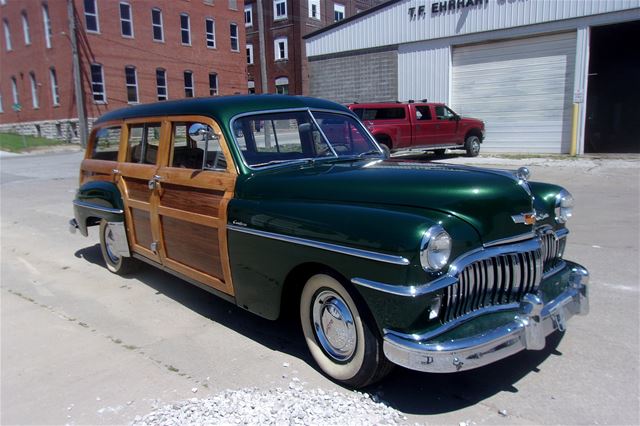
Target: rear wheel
340, 339
472, 146
115, 263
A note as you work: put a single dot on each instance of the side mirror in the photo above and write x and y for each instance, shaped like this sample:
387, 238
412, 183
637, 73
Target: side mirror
199, 132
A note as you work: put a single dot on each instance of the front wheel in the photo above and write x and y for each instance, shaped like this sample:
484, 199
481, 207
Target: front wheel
117, 264
472, 145
341, 341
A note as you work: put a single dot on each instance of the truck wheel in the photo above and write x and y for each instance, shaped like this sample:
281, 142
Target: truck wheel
472, 145
116, 264
341, 341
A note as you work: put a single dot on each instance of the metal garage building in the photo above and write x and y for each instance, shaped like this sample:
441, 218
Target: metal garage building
530, 68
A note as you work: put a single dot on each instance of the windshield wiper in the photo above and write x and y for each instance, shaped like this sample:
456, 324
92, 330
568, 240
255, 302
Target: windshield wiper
290, 161
366, 153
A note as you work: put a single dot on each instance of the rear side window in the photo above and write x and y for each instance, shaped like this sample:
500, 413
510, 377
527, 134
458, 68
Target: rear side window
380, 113
106, 144
144, 140
423, 113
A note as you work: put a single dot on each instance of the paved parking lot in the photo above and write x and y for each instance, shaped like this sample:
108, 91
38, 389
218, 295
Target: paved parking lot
82, 346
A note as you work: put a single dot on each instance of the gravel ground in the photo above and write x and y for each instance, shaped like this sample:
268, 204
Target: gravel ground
292, 406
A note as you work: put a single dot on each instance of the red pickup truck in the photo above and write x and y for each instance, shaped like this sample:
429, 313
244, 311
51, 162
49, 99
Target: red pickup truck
421, 126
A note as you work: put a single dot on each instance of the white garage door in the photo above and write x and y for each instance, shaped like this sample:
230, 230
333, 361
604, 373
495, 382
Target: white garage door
522, 89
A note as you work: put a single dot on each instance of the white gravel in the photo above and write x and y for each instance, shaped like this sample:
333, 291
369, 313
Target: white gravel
291, 406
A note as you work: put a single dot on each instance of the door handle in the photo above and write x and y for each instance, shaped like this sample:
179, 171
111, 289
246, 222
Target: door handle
154, 182
115, 171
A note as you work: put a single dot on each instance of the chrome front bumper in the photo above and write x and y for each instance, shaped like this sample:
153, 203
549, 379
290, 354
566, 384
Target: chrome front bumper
528, 330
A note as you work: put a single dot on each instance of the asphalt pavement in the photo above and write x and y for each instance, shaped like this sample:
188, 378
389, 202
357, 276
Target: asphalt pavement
80, 345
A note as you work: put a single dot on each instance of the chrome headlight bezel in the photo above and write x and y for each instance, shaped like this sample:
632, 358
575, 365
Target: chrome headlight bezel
564, 206
435, 249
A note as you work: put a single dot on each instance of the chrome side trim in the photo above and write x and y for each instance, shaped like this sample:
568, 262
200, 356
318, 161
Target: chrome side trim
510, 240
97, 207
396, 290
365, 254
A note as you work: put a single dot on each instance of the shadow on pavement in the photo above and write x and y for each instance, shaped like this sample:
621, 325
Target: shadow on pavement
409, 391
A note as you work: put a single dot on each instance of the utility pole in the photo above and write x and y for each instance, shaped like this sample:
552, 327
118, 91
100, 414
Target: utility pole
77, 80
263, 55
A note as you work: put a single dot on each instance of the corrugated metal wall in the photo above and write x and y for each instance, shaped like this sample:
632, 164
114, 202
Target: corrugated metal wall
522, 89
423, 71
393, 24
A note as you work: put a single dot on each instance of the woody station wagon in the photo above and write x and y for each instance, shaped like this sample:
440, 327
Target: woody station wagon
277, 203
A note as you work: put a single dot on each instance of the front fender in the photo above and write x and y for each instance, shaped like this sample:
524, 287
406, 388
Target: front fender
97, 200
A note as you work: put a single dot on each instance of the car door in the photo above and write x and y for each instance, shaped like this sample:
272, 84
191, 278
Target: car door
426, 133
447, 125
193, 185
137, 165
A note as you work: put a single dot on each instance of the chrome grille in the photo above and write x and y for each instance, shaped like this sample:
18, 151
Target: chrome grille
552, 250
494, 281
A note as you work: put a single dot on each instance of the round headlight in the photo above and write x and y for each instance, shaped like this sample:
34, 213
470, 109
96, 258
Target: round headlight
564, 206
435, 249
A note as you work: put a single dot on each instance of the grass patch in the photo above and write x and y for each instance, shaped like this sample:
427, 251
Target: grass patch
17, 143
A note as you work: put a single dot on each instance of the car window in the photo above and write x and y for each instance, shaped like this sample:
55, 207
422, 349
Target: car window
423, 112
444, 113
192, 153
380, 113
106, 144
143, 143
345, 135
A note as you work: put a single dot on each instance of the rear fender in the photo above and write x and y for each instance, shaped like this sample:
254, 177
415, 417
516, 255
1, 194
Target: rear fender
97, 200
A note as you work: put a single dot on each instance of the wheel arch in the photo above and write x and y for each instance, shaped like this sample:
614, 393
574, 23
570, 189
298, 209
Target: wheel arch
97, 200
474, 132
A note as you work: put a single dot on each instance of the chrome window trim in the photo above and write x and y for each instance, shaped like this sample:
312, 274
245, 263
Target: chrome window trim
300, 109
97, 207
365, 254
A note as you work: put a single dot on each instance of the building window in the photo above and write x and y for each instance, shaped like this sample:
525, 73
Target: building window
338, 12
161, 84
233, 33
126, 20
314, 9
185, 29
91, 16
188, 84
248, 15
34, 91
47, 25
14, 92
1, 105
279, 9
233, 4
280, 46
251, 87
156, 25
97, 83
131, 80
282, 86
210, 32
213, 84
55, 94
25, 29
250, 54
7, 35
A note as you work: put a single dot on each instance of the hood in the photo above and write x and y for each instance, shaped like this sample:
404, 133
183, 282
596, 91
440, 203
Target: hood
484, 198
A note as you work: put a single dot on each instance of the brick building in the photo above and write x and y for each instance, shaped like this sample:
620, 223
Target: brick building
285, 23
130, 52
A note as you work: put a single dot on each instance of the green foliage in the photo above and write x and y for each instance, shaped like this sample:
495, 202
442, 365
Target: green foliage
17, 143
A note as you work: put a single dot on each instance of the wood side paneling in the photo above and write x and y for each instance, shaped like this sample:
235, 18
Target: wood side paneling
138, 189
192, 244
197, 200
142, 226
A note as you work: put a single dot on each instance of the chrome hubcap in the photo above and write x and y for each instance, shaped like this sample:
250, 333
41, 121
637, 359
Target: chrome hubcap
334, 325
110, 242
475, 145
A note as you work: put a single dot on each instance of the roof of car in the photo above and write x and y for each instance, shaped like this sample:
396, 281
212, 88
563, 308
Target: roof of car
222, 108
389, 104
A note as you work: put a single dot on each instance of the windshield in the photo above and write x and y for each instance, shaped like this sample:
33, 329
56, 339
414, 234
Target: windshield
272, 138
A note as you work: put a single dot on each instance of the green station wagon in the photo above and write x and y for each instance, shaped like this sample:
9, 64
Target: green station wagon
277, 203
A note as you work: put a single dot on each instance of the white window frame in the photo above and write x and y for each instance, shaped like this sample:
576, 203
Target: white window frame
35, 101
315, 3
7, 35
46, 21
276, 16
339, 8
276, 48
249, 54
55, 92
248, 12
135, 84
25, 28
214, 91
232, 38
123, 20
210, 36
95, 14
187, 29
160, 25
192, 87
103, 93
14, 91
165, 87
1, 104
281, 80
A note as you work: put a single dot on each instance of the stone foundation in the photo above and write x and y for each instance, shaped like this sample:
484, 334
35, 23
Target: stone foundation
65, 130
